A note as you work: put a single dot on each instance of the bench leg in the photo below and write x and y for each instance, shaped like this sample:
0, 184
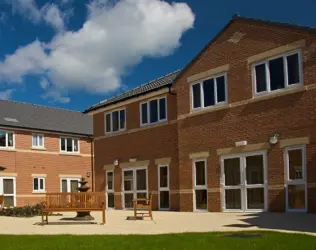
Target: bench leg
103, 216
47, 218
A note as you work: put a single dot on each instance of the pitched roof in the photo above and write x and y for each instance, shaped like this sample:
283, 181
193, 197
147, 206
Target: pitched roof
140, 90
31, 116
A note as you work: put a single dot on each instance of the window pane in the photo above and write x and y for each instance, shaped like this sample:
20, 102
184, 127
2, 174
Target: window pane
163, 177
62, 144
74, 186
40, 141
261, 80
233, 198
254, 169
162, 109
208, 88
293, 69
144, 113
34, 140
201, 199
153, 105
295, 164
200, 173
69, 145
110, 180
255, 198
128, 180
122, 119
128, 200
115, 119
42, 184
35, 183
111, 200
3, 139
196, 95
75, 145
276, 74
296, 196
141, 180
8, 201
8, 187
221, 91
108, 123
64, 186
164, 199
232, 171
10, 139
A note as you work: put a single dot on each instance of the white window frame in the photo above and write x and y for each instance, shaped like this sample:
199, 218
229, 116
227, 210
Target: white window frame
109, 191
199, 187
302, 181
163, 188
68, 183
14, 188
200, 82
286, 80
148, 111
37, 141
39, 189
7, 138
111, 115
73, 143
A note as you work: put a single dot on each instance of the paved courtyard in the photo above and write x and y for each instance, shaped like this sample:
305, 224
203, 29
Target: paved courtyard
164, 222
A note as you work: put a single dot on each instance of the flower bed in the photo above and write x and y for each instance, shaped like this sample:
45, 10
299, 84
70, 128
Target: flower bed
26, 211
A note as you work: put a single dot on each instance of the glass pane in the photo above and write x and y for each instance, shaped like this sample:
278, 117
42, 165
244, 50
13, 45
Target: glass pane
75, 145
8, 201
10, 139
164, 199
293, 70
115, 118
232, 171
62, 144
110, 180
3, 139
276, 73
35, 183
128, 199
163, 177
74, 186
34, 140
200, 173
153, 105
295, 164
40, 141
254, 169
42, 184
144, 113
108, 126
8, 187
201, 199
255, 198
111, 200
221, 91
128, 180
233, 198
162, 109
196, 95
208, 88
261, 80
122, 119
141, 196
296, 196
141, 182
64, 186
69, 144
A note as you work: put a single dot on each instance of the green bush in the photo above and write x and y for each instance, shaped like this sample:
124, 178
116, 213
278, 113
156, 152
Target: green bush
26, 211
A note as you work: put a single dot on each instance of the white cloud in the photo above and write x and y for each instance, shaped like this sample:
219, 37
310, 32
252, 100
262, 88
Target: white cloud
55, 96
115, 37
53, 16
6, 94
27, 8
44, 83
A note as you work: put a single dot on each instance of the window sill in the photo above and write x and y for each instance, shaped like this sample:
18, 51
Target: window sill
153, 124
7, 149
69, 154
39, 149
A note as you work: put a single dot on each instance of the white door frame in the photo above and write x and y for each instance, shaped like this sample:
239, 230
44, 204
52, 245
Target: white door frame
68, 183
164, 189
295, 182
107, 190
134, 190
14, 187
199, 187
243, 181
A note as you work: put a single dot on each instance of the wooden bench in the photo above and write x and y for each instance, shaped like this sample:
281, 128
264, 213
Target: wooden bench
143, 207
73, 202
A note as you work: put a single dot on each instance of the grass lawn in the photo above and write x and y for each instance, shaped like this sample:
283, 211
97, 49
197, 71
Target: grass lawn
210, 241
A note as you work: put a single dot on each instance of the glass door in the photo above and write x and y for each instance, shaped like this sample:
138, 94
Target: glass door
110, 189
163, 187
7, 189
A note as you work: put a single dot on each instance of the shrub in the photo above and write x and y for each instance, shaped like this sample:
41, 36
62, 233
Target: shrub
26, 211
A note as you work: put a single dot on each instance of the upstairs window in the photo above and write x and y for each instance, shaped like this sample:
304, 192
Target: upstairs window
115, 121
37, 141
6, 139
69, 145
153, 111
278, 73
209, 92
38, 184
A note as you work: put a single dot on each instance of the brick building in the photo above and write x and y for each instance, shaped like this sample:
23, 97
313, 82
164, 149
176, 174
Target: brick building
42, 150
233, 131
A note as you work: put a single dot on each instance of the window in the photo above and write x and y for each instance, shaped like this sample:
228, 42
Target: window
163, 187
69, 185
38, 184
200, 186
209, 92
6, 139
69, 145
110, 188
8, 190
153, 111
115, 121
278, 73
37, 141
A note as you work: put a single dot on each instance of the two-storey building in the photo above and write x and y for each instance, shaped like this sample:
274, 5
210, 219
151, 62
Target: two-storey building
42, 150
233, 131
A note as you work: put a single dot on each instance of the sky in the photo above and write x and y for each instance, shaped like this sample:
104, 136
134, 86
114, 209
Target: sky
75, 53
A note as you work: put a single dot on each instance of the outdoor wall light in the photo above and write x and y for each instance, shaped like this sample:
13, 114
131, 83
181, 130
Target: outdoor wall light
116, 162
274, 139
88, 174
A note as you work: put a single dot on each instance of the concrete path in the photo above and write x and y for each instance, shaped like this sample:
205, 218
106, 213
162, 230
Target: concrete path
164, 222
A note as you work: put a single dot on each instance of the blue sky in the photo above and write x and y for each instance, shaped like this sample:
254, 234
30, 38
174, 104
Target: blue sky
73, 54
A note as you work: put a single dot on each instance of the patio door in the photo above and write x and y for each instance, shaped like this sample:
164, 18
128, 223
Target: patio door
134, 185
244, 182
8, 190
110, 189
163, 187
